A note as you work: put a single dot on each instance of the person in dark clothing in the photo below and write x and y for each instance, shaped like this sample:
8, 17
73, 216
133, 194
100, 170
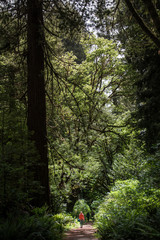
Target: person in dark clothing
88, 215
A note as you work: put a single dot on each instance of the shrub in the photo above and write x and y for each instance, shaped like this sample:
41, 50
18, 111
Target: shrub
95, 204
130, 211
31, 228
66, 220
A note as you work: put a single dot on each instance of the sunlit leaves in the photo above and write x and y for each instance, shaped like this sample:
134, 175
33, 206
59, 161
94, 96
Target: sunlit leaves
128, 205
83, 123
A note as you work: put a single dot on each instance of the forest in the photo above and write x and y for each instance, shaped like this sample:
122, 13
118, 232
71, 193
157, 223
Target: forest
79, 118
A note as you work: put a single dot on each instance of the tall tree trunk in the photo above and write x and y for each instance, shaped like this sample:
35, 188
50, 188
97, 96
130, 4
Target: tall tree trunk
36, 97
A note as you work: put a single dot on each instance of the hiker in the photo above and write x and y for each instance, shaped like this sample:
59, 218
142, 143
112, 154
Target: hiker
92, 215
88, 215
81, 218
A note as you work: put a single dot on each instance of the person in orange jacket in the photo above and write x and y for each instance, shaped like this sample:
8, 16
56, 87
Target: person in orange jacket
81, 218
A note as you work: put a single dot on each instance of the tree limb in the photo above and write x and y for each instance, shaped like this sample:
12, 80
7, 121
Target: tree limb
153, 13
142, 24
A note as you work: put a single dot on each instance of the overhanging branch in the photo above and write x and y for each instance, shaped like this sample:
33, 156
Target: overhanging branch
141, 23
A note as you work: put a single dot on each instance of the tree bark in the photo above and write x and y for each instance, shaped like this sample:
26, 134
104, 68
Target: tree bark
36, 97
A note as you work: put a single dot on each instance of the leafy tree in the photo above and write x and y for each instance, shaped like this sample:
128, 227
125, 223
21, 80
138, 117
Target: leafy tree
148, 103
145, 61
17, 153
83, 112
130, 163
141, 52
15, 13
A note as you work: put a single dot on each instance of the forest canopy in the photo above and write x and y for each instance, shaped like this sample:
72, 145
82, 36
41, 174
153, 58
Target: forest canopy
79, 116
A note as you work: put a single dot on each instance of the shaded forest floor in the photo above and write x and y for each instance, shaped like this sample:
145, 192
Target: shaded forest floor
85, 233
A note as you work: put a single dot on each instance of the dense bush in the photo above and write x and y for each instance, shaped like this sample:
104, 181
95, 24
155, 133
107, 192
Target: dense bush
95, 204
39, 226
65, 220
130, 211
30, 228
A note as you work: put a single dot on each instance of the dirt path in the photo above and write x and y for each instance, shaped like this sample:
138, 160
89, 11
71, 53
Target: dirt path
85, 233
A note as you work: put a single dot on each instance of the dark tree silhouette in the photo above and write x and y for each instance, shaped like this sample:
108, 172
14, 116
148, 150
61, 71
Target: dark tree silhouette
36, 96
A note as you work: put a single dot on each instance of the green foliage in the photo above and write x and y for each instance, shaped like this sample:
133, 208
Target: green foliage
151, 174
66, 220
79, 206
140, 51
41, 225
148, 100
95, 205
131, 162
130, 211
82, 119
40, 211
76, 48
17, 153
17, 156
31, 228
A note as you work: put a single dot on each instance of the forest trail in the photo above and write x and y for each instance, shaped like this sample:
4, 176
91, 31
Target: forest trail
85, 233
